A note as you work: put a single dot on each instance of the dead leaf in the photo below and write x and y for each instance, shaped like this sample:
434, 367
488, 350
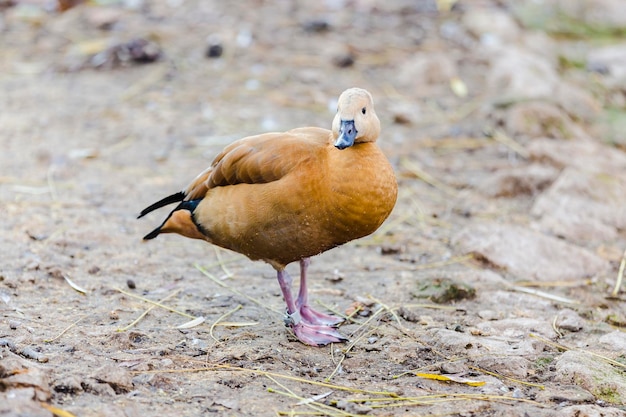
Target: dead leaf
451, 378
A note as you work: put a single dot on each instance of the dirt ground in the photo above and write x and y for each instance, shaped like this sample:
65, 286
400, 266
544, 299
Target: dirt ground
486, 293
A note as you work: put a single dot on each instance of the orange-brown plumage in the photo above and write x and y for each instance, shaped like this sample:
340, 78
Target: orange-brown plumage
284, 197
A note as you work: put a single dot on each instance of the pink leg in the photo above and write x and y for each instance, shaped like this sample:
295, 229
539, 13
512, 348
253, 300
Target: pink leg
309, 333
308, 314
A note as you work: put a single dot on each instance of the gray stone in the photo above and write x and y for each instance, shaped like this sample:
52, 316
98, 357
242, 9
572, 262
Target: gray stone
601, 14
586, 155
516, 329
527, 254
604, 381
568, 319
70, 384
611, 62
489, 315
428, 69
614, 341
589, 410
583, 206
517, 74
18, 375
454, 367
455, 341
523, 180
14, 404
539, 118
509, 366
572, 394
491, 25
573, 16
577, 102
117, 378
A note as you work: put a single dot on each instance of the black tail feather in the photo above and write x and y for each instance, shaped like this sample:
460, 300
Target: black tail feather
154, 233
183, 205
174, 198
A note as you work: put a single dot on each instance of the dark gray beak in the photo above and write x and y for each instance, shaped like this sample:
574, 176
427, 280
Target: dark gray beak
347, 134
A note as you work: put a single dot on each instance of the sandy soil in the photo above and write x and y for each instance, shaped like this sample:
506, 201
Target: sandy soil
479, 276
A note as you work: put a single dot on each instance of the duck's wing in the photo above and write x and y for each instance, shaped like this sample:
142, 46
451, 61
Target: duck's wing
253, 160
260, 159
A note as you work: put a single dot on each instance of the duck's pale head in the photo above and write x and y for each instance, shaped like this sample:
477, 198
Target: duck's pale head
356, 120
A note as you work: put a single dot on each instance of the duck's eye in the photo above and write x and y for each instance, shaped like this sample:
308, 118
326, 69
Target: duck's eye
363, 110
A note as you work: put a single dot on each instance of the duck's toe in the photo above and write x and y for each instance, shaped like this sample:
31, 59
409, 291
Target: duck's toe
311, 316
317, 335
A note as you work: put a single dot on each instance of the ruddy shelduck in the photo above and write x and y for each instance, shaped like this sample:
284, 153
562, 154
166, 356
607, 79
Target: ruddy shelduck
284, 197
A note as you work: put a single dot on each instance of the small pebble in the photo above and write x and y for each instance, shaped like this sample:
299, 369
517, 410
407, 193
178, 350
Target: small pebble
143, 51
131, 284
488, 314
214, 50
408, 314
452, 368
14, 324
7, 343
336, 277
597, 67
31, 353
344, 60
244, 38
390, 249
316, 26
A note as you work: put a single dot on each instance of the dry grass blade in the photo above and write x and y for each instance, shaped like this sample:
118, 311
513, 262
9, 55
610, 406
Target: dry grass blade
237, 323
50, 180
386, 308
119, 145
158, 303
223, 285
308, 402
145, 313
537, 284
455, 143
145, 82
221, 263
555, 327
26, 189
315, 398
530, 384
439, 264
476, 368
74, 286
220, 318
57, 411
193, 323
620, 276
223, 367
439, 398
416, 170
351, 345
504, 139
64, 330
544, 294
431, 306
